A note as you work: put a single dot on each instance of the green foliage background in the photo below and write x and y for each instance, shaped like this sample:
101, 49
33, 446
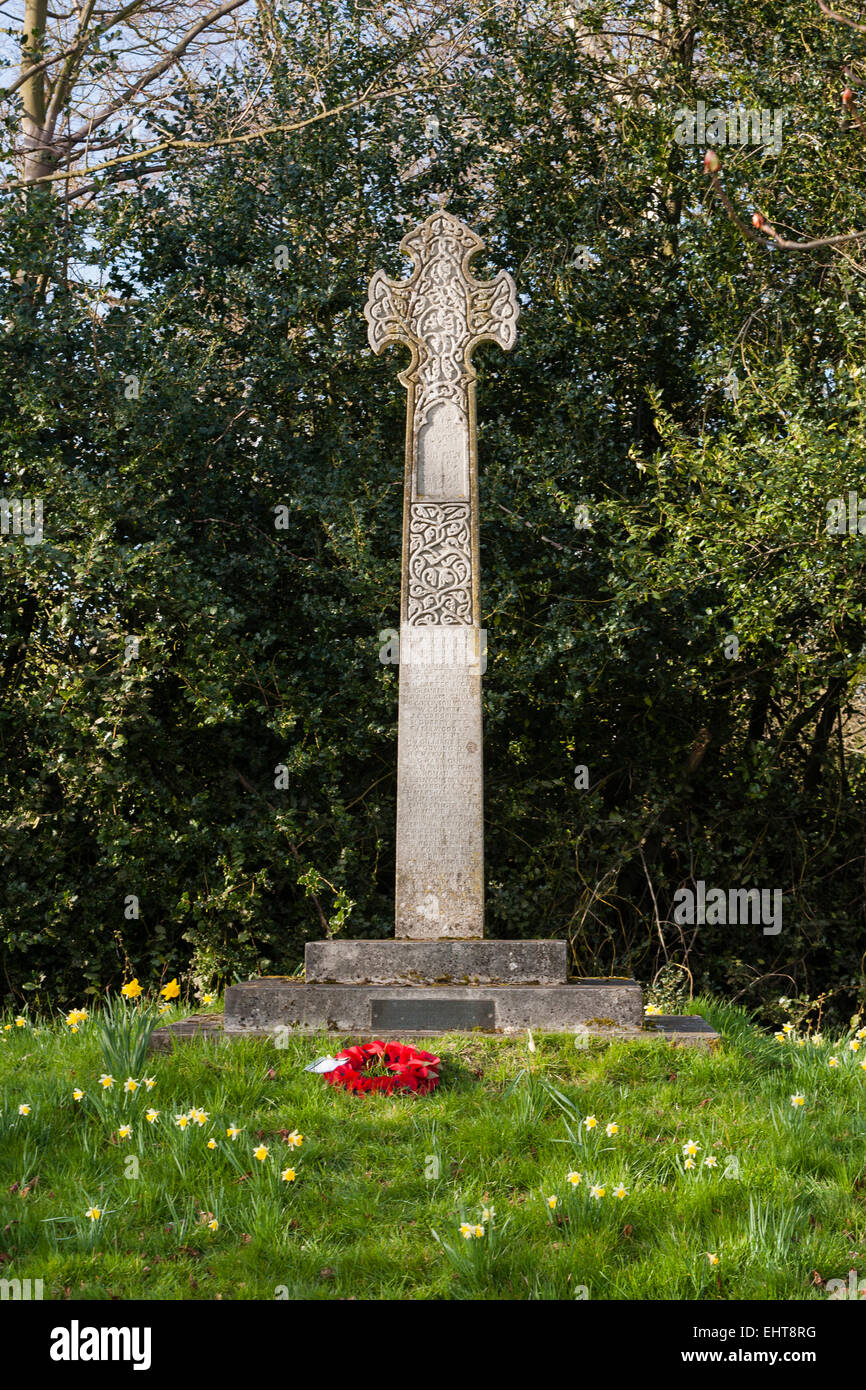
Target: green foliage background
153, 775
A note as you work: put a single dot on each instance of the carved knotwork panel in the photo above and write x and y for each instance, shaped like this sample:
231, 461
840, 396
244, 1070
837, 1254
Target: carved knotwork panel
440, 564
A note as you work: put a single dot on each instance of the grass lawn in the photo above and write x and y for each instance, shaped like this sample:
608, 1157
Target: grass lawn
782, 1208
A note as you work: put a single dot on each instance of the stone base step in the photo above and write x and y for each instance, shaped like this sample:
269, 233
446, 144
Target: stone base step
680, 1030
424, 963
279, 1002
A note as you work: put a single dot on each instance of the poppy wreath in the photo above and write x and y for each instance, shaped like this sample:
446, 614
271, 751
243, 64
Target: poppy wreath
405, 1069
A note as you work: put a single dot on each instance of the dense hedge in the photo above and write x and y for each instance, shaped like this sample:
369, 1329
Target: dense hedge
220, 371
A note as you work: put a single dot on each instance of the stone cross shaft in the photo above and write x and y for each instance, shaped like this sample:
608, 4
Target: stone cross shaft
440, 313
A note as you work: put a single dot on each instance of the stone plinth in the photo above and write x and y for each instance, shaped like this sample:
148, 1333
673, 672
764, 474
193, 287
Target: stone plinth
423, 963
263, 1006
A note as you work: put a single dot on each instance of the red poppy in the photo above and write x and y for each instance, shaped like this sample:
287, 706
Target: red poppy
411, 1069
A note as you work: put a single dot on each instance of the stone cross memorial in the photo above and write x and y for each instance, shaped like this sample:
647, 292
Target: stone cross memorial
440, 313
437, 972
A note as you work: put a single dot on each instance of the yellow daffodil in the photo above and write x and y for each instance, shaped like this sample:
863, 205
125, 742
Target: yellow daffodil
488, 1213
597, 1192
690, 1148
124, 1132
295, 1140
181, 1121
24, 1110
200, 1116
863, 1064
861, 1032
232, 1132
151, 1116
551, 1202
689, 1163
479, 1232
211, 1143
781, 1037
94, 1213
651, 1010
787, 1027
467, 1231
798, 1101
213, 1225
7, 1027
288, 1175
261, 1152
590, 1122
78, 1094
574, 1179
164, 1009
131, 990
833, 1062
854, 1044
207, 999
620, 1192
711, 1161
611, 1130
20, 1022
713, 1259
130, 1085
149, 1083
171, 990
106, 1081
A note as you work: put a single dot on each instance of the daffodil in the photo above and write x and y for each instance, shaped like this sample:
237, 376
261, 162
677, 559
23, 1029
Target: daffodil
833, 1062
861, 1032
488, 1213
213, 1225
466, 1231
171, 990
574, 1178
94, 1213
479, 1232
590, 1122
690, 1148
207, 999
798, 1101
551, 1202
106, 1081
131, 990
854, 1044
164, 1009
232, 1132
713, 1259
130, 1085
149, 1083
288, 1175
181, 1121
200, 1116
651, 1010
261, 1153
711, 1161
124, 1132
151, 1116
781, 1037
611, 1130
24, 1110
787, 1027
597, 1192
620, 1192
295, 1140
7, 1027
689, 1163
211, 1143
78, 1094
20, 1022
